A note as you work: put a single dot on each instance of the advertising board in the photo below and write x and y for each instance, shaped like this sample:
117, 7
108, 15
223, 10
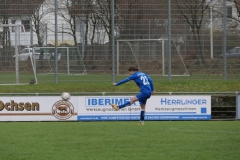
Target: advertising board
37, 108
157, 108
98, 108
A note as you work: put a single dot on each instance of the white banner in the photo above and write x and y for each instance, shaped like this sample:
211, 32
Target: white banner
98, 108
37, 108
157, 108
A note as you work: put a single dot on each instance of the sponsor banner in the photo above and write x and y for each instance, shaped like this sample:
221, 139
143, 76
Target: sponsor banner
38, 108
158, 108
98, 108
147, 117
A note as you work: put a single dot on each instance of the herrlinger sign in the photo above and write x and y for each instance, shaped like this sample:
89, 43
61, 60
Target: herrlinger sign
185, 107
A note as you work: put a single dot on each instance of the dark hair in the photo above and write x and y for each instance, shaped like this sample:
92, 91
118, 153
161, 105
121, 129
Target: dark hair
132, 69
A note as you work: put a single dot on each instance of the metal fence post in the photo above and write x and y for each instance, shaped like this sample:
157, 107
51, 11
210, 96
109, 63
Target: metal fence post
113, 40
237, 105
17, 33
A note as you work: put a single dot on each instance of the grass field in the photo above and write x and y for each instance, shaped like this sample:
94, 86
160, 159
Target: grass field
103, 83
167, 140
7, 78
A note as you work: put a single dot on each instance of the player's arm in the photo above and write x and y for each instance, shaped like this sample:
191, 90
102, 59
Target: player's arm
151, 84
121, 82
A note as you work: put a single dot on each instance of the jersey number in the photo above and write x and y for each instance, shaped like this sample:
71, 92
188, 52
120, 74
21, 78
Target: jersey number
144, 79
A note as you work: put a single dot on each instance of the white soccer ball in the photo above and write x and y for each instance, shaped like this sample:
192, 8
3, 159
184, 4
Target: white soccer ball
65, 96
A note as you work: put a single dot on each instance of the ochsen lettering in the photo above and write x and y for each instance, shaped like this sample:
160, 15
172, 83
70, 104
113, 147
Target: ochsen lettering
13, 106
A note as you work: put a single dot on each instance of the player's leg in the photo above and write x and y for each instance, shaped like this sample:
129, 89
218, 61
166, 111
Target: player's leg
143, 100
142, 114
129, 103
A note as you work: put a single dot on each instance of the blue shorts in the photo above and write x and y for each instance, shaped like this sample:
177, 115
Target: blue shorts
142, 97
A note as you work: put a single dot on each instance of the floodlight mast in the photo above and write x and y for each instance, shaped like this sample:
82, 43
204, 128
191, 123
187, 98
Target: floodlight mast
16, 53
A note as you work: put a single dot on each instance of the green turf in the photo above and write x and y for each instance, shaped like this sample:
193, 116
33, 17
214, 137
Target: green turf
99, 84
164, 86
168, 140
103, 83
7, 78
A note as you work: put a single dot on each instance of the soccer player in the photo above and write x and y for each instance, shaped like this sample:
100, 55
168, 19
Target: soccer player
146, 86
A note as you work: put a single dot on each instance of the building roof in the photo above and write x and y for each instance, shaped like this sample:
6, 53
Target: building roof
18, 7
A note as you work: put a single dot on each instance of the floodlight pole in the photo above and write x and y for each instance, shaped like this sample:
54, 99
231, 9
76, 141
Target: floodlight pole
211, 31
208, 2
224, 40
163, 59
82, 28
169, 41
16, 52
113, 47
56, 43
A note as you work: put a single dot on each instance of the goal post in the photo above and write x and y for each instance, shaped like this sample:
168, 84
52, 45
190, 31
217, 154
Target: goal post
17, 42
68, 57
15, 38
161, 41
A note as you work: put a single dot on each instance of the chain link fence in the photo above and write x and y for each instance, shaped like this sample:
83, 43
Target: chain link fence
194, 40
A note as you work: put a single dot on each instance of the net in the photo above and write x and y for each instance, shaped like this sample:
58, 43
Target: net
69, 61
140, 51
14, 69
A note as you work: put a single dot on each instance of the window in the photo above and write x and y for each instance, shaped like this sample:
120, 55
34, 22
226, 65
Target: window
78, 24
26, 24
229, 11
13, 28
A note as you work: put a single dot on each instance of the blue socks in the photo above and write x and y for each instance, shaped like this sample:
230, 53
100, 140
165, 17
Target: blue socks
142, 115
124, 105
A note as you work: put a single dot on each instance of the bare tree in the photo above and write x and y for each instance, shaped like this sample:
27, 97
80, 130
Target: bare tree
39, 27
5, 54
137, 19
127, 18
10, 10
67, 12
5, 13
192, 12
237, 6
234, 25
102, 10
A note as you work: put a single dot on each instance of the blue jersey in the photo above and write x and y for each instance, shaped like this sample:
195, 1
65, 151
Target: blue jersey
143, 81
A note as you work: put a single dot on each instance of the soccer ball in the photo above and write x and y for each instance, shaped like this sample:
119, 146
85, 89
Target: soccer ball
65, 96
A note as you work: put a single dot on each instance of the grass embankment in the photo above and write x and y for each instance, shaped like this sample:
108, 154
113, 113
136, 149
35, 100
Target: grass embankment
160, 86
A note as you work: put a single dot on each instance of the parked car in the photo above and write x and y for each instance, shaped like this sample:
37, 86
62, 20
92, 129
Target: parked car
26, 53
232, 53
